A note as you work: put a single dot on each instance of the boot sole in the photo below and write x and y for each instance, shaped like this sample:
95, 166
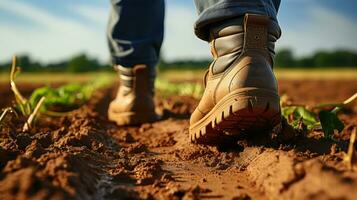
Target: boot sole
131, 118
241, 111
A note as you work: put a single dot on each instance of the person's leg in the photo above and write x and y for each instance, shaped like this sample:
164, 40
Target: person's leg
213, 11
135, 31
135, 34
241, 94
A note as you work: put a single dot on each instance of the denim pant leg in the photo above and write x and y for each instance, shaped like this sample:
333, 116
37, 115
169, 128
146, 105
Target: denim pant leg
212, 11
135, 31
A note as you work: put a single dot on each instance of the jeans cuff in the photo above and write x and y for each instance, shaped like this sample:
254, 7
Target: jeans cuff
130, 63
224, 11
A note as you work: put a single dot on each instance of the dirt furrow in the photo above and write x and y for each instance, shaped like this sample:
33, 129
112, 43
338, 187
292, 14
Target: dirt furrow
247, 170
287, 175
83, 156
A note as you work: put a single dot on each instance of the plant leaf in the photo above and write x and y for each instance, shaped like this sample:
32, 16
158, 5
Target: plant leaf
286, 111
330, 122
308, 116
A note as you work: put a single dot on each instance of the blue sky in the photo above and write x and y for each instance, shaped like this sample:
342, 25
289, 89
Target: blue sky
54, 30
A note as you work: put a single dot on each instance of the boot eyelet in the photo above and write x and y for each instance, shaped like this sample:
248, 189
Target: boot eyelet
257, 37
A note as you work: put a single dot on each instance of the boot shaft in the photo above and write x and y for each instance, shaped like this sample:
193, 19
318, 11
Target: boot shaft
139, 80
134, 103
241, 36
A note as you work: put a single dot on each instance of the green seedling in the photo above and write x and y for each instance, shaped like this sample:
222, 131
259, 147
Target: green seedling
49, 101
29, 121
323, 116
21, 102
330, 123
22, 105
351, 157
4, 117
65, 98
4, 113
300, 115
329, 120
61, 101
190, 89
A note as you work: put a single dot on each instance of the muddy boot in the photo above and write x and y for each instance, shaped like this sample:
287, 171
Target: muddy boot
134, 103
241, 94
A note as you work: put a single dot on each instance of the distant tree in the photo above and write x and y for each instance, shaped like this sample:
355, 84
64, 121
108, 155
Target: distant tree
56, 67
304, 62
24, 62
283, 58
339, 58
321, 58
81, 63
5, 66
342, 58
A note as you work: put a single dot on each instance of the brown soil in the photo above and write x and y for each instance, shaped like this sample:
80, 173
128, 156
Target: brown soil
83, 156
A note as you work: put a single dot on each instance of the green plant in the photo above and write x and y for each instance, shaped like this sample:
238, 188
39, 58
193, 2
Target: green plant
4, 117
21, 102
66, 98
49, 101
350, 158
322, 116
31, 118
190, 89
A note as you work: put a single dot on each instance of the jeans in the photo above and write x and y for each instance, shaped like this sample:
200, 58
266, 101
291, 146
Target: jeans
136, 27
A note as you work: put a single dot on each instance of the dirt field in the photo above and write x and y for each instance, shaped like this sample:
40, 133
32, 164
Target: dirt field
83, 156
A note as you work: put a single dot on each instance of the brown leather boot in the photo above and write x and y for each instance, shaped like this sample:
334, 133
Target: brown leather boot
241, 92
134, 102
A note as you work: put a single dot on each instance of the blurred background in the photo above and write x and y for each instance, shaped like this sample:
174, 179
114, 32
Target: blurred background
69, 36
